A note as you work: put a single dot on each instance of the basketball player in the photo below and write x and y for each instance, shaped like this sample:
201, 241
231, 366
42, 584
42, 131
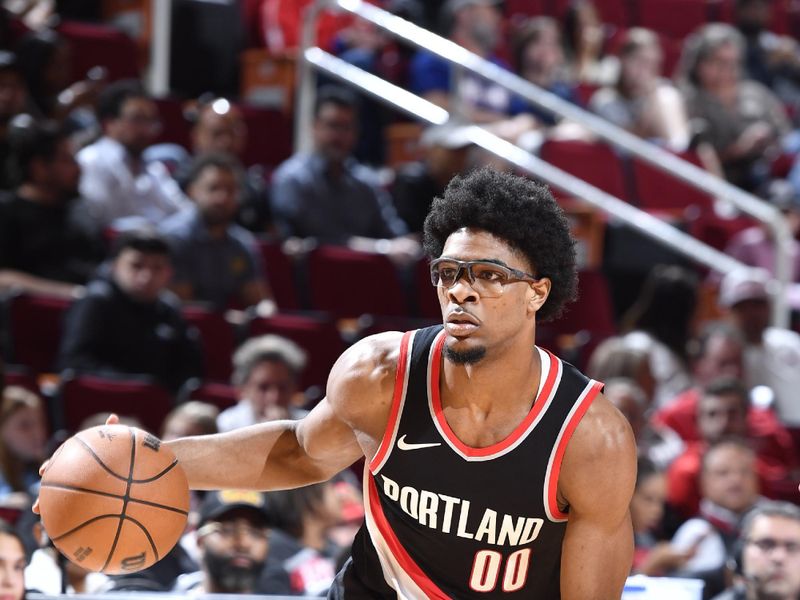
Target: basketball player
494, 469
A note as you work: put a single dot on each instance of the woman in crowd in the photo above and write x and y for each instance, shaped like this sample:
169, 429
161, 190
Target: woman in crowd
23, 436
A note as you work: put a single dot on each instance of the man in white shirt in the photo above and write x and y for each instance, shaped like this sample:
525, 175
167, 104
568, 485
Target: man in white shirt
121, 189
771, 355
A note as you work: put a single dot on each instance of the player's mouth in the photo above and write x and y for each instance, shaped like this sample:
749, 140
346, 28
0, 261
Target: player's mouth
461, 324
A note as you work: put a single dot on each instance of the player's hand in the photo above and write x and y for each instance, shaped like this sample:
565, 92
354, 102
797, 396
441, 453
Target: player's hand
111, 420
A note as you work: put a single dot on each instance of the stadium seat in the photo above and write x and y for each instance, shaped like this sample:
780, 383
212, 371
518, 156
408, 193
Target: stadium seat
675, 18
660, 191
595, 163
35, 324
81, 396
317, 336
269, 139
220, 395
280, 273
347, 283
217, 338
99, 45
20, 376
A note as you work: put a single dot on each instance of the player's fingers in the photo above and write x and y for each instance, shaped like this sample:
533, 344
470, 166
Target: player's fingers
112, 419
35, 507
43, 467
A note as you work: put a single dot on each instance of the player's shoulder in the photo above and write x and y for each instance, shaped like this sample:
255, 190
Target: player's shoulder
603, 433
364, 374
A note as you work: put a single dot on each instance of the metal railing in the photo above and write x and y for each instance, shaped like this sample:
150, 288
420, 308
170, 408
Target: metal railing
425, 111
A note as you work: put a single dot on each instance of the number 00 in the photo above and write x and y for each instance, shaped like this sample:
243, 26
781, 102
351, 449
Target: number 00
486, 570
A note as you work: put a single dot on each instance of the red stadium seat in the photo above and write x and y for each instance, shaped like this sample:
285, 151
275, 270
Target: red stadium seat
596, 163
99, 45
35, 326
318, 337
217, 339
175, 129
269, 136
675, 18
81, 396
220, 395
347, 283
280, 273
20, 376
658, 191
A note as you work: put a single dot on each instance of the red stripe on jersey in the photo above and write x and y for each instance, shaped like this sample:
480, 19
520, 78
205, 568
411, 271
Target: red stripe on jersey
402, 557
519, 431
552, 489
397, 398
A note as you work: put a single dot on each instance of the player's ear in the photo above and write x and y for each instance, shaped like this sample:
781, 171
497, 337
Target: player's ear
538, 293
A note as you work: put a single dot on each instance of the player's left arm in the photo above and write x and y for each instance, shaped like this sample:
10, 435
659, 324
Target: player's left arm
598, 474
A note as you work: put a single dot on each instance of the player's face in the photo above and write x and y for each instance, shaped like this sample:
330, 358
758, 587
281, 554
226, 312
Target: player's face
234, 552
269, 389
771, 557
476, 325
12, 568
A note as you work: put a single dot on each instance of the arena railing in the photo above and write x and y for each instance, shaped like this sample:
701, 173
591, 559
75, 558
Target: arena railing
314, 58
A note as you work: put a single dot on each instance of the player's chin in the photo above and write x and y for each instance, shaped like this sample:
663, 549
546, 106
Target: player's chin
462, 352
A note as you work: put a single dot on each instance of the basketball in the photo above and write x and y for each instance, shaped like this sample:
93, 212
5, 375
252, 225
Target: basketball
114, 499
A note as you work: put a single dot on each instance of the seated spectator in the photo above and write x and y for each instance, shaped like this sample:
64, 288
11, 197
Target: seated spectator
585, 45
50, 573
218, 127
771, 354
233, 539
766, 557
327, 196
128, 323
123, 191
45, 59
476, 26
47, 245
13, 98
659, 323
14, 559
445, 153
742, 119
651, 556
23, 435
730, 489
216, 260
266, 373
613, 358
300, 541
641, 100
721, 412
190, 418
772, 60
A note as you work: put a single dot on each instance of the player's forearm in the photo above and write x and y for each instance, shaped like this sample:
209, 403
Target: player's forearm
232, 460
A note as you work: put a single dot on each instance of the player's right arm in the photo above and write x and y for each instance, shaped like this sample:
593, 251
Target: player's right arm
346, 425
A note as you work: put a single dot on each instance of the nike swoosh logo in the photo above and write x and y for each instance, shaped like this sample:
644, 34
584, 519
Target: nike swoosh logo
404, 445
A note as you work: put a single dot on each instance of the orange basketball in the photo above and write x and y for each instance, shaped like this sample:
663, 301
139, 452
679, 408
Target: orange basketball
114, 499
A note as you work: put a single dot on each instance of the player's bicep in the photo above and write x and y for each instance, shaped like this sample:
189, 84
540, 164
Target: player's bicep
598, 477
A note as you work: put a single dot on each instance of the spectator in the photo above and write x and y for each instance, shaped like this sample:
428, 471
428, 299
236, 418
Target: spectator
585, 41
651, 556
233, 539
771, 354
476, 26
266, 373
190, 418
641, 100
46, 243
742, 119
281, 25
539, 58
327, 196
613, 358
300, 542
216, 260
51, 573
13, 97
730, 489
14, 561
446, 151
23, 435
123, 191
766, 557
45, 59
219, 127
659, 323
772, 60
128, 323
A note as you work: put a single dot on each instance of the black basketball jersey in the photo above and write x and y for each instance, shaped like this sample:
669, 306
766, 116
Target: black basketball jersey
445, 520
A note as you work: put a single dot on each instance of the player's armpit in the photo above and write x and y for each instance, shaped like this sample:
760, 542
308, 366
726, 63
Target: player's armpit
597, 479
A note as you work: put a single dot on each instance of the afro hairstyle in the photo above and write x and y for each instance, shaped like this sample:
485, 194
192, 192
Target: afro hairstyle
517, 210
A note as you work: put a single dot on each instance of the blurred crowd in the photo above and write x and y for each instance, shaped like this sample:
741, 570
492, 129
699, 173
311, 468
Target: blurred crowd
189, 267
